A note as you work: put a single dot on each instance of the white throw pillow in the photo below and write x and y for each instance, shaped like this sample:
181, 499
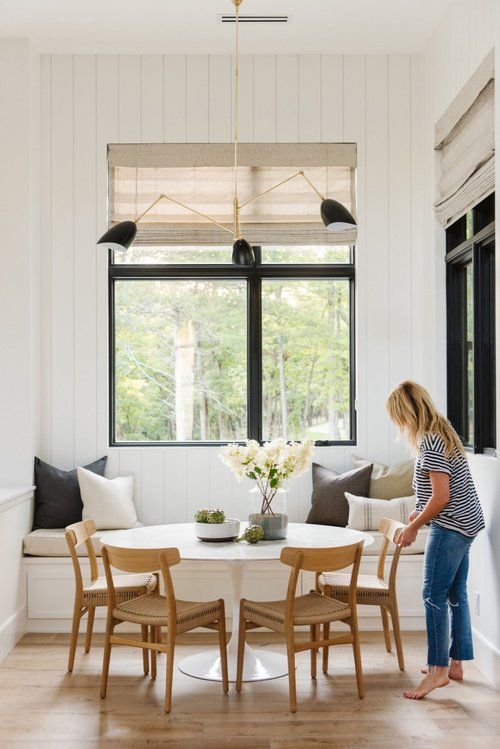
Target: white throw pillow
108, 502
366, 513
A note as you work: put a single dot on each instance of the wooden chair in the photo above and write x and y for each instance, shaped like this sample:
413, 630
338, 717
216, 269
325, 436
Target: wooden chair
153, 611
374, 590
313, 609
88, 597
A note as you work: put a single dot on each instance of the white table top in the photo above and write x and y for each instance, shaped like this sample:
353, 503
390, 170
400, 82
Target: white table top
182, 536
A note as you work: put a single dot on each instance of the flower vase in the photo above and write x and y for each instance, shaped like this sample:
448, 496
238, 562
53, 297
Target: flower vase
270, 513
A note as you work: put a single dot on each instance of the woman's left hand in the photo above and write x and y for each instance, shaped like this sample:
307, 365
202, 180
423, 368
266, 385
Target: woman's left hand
407, 536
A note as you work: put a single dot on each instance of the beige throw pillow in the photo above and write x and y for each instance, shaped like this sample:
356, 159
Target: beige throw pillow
388, 482
365, 513
108, 502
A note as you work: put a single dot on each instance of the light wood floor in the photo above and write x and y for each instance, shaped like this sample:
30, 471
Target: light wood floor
42, 706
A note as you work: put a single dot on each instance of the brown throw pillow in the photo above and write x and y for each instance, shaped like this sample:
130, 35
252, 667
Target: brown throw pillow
388, 482
329, 505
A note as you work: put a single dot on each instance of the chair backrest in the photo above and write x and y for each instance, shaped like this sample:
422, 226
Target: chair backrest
391, 530
76, 535
140, 561
322, 560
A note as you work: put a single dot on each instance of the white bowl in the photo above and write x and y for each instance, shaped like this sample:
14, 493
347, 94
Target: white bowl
226, 531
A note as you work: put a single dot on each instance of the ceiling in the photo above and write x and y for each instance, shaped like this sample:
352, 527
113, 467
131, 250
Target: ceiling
179, 26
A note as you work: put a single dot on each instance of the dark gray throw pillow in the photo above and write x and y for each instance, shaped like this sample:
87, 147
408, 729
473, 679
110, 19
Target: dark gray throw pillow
329, 505
58, 502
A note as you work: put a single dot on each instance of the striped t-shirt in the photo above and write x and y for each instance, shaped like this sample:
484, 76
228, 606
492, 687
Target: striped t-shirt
463, 512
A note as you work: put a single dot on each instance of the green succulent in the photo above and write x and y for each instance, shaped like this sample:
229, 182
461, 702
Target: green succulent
201, 516
252, 535
216, 516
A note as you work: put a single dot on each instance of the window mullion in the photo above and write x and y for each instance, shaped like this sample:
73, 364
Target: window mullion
254, 356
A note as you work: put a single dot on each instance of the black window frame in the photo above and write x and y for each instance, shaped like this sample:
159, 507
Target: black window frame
254, 275
471, 240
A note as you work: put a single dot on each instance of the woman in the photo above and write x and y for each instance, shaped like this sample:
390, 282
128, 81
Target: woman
447, 500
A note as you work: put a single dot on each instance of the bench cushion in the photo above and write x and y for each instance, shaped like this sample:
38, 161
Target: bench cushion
51, 543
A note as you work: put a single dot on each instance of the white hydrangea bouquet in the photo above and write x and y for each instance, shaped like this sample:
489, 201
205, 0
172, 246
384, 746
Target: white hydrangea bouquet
269, 465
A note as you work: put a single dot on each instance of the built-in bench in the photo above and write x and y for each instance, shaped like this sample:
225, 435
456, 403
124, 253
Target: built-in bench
50, 581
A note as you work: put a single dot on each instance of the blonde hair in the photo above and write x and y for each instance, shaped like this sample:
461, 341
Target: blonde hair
412, 410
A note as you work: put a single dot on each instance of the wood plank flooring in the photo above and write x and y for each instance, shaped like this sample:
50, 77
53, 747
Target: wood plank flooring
42, 706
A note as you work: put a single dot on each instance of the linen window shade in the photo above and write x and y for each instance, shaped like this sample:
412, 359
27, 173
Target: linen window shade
465, 147
201, 176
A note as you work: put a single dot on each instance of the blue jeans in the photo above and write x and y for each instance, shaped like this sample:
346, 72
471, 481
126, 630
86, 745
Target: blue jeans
445, 591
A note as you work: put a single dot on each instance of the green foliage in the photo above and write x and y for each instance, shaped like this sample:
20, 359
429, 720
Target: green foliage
202, 516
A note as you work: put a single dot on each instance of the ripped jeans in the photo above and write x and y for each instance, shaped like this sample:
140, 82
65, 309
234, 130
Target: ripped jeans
445, 592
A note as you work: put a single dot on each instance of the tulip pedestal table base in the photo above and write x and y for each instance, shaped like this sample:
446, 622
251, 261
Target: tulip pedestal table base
260, 664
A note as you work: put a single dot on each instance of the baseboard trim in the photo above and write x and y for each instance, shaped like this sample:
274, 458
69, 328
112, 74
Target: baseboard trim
487, 658
12, 630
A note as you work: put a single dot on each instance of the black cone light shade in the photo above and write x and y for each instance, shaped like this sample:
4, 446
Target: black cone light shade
119, 237
242, 253
335, 216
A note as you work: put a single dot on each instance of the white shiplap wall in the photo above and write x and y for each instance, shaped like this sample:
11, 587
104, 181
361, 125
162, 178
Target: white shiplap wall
89, 101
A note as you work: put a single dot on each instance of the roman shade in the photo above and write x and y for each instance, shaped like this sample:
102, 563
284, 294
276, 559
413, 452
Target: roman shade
465, 147
201, 176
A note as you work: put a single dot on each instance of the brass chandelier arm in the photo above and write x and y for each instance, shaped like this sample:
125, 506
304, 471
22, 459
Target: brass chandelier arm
187, 207
279, 184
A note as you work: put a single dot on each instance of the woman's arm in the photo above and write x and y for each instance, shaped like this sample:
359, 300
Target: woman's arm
440, 483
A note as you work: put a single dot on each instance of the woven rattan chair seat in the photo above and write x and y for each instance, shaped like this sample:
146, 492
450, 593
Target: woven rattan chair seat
312, 608
126, 587
152, 609
369, 586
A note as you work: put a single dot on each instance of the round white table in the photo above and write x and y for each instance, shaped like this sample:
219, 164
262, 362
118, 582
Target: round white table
259, 665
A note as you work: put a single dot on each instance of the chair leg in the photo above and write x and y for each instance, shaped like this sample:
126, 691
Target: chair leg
152, 638
326, 635
242, 631
314, 651
77, 615
290, 651
169, 672
357, 657
387, 631
145, 652
110, 625
90, 627
397, 634
223, 653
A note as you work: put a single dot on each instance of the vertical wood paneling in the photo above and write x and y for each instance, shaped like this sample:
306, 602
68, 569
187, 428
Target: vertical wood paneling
197, 99
46, 256
174, 99
152, 91
129, 99
220, 483
310, 98
85, 307
264, 97
332, 95
198, 480
175, 485
106, 132
417, 231
377, 265
287, 98
220, 99
131, 465
63, 332
354, 119
400, 249
153, 486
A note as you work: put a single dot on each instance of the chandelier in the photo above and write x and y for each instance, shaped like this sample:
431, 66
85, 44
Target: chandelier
335, 216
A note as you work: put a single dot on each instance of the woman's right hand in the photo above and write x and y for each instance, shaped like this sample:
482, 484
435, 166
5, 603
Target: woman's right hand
413, 515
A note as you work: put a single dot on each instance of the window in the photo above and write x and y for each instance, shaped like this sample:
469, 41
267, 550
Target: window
202, 351
470, 285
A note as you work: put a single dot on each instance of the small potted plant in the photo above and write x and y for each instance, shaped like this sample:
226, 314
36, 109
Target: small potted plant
212, 525
269, 465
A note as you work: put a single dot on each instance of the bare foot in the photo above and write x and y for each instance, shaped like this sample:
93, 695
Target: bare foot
433, 680
455, 670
